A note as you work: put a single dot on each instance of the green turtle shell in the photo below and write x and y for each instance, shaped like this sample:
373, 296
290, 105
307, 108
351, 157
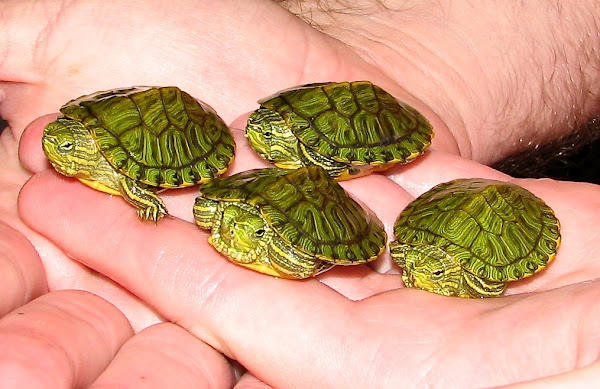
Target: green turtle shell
160, 136
308, 209
353, 122
495, 230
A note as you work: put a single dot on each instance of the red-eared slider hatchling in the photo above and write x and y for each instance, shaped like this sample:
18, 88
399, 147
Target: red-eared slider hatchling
287, 223
131, 141
348, 128
470, 237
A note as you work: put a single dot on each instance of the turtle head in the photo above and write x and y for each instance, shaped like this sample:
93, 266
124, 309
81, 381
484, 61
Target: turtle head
67, 143
239, 232
272, 138
429, 268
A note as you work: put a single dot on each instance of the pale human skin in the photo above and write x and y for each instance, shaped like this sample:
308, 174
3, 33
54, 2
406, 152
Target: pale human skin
487, 94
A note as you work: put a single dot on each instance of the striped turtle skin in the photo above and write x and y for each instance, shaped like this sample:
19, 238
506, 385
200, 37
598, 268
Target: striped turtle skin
130, 141
348, 128
290, 224
470, 237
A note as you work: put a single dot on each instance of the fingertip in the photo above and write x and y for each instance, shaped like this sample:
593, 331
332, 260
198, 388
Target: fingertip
30, 150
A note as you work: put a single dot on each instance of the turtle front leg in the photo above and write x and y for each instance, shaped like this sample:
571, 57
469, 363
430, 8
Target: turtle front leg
149, 205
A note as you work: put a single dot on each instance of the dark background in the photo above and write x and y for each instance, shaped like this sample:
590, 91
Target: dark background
573, 158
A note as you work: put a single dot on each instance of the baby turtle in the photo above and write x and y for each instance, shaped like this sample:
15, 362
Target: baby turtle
290, 224
469, 237
131, 141
348, 128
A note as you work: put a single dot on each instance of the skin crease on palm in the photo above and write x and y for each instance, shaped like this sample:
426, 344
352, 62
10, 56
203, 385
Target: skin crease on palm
351, 327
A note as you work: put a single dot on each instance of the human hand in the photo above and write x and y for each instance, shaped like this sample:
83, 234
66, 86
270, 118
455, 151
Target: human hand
76, 71
350, 326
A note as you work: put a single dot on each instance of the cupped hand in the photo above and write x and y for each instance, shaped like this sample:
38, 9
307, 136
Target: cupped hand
351, 326
229, 54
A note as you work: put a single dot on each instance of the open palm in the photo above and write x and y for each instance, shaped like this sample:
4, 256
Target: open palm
351, 327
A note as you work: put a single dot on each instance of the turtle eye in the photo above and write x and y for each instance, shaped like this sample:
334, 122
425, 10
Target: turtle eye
259, 233
267, 134
65, 146
437, 272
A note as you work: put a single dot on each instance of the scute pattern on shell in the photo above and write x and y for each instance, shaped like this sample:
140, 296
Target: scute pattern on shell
308, 209
497, 231
160, 136
353, 122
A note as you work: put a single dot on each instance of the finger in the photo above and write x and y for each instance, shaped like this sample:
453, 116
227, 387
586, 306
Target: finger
166, 356
60, 340
386, 201
360, 282
22, 276
239, 312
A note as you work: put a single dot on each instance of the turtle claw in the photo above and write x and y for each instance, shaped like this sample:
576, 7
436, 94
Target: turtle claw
154, 213
149, 205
